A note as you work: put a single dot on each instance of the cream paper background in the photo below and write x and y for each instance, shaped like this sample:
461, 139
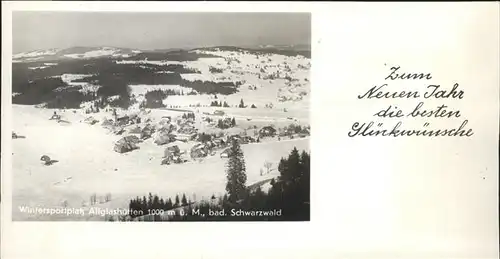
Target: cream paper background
372, 197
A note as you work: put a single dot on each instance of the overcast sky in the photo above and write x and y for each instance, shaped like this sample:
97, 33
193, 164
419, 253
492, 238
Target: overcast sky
43, 30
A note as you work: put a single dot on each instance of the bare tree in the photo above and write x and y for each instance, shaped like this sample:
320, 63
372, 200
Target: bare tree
93, 199
268, 166
107, 197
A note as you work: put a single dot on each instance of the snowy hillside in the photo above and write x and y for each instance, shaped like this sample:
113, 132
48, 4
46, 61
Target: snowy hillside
88, 165
264, 79
35, 54
73, 53
269, 78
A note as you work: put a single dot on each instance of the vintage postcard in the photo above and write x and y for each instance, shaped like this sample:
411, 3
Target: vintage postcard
249, 130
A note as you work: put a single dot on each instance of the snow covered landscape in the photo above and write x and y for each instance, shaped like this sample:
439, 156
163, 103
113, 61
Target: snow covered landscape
171, 112
115, 124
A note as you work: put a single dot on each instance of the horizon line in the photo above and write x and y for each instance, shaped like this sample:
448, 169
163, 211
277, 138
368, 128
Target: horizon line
167, 48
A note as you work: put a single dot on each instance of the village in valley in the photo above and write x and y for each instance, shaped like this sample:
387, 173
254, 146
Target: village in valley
178, 131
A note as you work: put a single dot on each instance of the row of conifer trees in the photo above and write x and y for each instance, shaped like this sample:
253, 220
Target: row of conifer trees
289, 192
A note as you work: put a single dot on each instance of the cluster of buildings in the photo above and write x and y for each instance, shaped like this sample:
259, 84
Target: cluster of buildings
179, 132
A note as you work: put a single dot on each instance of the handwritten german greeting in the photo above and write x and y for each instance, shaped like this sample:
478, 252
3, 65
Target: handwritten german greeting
390, 120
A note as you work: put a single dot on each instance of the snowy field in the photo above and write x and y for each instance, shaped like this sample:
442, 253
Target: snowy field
284, 82
69, 80
102, 52
88, 165
152, 62
45, 65
265, 78
141, 90
277, 85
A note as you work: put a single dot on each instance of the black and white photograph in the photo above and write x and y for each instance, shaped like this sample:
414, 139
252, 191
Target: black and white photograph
185, 116
168, 129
